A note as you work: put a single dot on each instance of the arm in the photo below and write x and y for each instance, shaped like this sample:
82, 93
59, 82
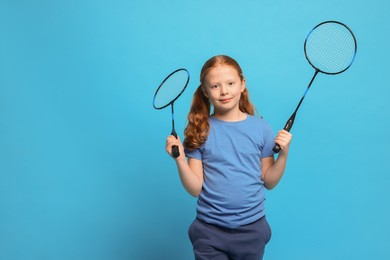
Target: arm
272, 171
190, 172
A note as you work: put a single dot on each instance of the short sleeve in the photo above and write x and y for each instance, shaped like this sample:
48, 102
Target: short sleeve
268, 141
196, 153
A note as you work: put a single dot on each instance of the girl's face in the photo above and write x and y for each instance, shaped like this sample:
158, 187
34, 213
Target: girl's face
223, 86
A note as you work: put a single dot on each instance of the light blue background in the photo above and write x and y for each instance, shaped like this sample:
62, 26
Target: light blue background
83, 171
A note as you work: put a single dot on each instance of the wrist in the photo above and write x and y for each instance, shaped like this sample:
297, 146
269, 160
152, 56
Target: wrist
181, 159
283, 153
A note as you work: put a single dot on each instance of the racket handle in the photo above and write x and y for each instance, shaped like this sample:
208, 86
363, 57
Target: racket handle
276, 148
175, 151
175, 148
287, 127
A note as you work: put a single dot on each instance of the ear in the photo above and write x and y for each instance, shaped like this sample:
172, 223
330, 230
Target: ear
243, 85
205, 92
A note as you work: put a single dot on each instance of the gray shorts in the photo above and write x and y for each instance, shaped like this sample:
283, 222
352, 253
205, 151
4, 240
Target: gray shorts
219, 243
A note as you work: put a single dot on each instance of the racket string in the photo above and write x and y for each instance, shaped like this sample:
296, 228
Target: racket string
171, 88
330, 48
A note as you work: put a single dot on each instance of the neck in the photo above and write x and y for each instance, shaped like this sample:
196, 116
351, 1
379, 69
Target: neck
231, 117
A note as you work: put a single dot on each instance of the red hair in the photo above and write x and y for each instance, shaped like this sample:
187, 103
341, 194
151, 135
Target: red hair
198, 126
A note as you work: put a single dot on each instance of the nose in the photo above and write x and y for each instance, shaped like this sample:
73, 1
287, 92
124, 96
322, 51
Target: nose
224, 90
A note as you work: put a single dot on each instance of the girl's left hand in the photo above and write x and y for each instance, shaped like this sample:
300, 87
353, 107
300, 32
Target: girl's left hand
283, 139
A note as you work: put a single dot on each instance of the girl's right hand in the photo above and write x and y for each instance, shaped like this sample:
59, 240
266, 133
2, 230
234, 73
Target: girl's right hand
171, 141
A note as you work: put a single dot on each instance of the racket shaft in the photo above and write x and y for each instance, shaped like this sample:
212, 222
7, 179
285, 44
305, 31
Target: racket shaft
290, 121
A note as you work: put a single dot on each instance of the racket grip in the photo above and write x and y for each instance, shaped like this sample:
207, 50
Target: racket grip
175, 151
175, 148
287, 127
276, 148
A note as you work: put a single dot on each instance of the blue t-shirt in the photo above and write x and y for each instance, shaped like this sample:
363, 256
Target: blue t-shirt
233, 192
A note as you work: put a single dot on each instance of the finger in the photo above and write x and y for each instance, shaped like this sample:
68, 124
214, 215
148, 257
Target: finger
170, 144
171, 139
283, 140
284, 133
283, 143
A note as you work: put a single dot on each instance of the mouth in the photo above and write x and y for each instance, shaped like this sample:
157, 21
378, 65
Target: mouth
224, 100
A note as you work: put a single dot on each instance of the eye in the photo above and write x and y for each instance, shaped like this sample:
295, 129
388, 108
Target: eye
214, 86
231, 83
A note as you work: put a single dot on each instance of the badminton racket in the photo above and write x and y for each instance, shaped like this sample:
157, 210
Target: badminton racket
330, 48
167, 93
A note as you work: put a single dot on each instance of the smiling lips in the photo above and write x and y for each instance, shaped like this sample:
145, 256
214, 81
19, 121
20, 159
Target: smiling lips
225, 100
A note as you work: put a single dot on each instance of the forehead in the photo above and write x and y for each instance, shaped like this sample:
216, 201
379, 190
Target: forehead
221, 72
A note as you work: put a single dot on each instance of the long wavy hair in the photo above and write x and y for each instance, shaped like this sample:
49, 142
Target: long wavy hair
198, 126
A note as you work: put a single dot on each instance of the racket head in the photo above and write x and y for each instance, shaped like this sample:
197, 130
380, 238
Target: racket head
330, 47
171, 88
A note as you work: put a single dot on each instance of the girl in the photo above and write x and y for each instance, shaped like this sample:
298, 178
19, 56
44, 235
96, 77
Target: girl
230, 161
